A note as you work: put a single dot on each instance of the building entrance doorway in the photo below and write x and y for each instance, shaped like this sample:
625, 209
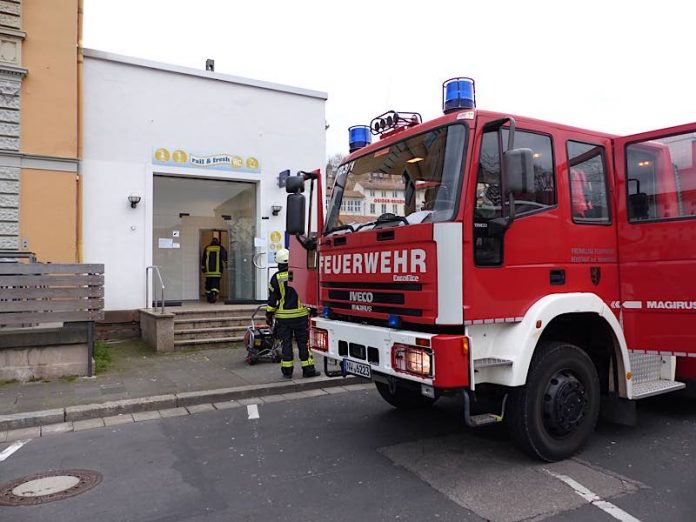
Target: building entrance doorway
187, 214
206, 238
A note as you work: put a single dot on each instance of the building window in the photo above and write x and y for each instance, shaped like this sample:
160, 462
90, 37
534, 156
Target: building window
372, 209
384, 208
384, 193
395, 194
372, 193
588, 183
660, 178
395, 208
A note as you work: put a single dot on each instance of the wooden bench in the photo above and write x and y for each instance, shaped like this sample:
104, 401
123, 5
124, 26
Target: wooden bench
47, 314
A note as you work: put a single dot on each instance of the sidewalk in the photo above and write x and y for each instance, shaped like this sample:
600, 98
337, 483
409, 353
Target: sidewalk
139, 380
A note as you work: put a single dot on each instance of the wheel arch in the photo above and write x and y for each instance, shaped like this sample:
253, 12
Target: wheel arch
561, 317
585, 320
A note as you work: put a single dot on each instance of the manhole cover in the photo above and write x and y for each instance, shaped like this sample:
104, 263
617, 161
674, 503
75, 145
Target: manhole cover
48, 486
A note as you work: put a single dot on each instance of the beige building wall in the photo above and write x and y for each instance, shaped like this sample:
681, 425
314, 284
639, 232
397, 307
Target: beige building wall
49, 90
48, 201
39, 125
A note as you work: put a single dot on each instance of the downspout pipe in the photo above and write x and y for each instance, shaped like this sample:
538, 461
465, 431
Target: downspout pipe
80, 63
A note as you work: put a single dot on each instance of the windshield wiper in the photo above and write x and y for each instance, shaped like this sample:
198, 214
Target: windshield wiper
384, 218
339, 228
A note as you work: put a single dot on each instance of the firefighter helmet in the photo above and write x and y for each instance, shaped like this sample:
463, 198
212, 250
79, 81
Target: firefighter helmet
282, 256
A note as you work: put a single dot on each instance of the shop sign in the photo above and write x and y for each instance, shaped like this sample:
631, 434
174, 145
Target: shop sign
183, 158
387, 200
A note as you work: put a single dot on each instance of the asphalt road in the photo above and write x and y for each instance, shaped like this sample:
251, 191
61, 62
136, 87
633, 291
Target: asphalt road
351, 457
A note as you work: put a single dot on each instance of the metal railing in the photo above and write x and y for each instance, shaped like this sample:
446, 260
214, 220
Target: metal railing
156, 270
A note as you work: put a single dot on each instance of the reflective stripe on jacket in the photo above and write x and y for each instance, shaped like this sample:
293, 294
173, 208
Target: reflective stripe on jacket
213, 260
283, 299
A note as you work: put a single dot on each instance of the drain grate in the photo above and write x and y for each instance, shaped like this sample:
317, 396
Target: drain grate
48, 486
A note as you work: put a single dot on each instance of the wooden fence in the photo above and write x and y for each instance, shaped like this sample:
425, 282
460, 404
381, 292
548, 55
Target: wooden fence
38, 293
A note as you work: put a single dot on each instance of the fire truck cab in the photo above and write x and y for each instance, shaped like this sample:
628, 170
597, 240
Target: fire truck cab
538, 270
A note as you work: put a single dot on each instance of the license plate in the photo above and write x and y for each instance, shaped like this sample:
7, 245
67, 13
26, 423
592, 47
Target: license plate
356, 368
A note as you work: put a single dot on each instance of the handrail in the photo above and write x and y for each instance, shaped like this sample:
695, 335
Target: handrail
147, 286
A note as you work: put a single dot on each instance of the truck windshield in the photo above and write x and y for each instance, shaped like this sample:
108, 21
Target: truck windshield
416, 180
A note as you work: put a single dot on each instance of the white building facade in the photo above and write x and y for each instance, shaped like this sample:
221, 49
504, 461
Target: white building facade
173, 157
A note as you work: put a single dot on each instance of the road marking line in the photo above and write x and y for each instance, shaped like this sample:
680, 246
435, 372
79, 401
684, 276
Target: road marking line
253, 411
594, 499
12, 448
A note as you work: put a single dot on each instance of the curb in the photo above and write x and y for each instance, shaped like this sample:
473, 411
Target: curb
161, 402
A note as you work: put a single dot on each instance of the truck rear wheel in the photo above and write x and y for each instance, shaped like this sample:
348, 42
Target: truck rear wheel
554, 414
404, 398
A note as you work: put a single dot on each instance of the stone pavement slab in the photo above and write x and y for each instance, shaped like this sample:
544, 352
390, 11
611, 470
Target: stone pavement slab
116, 420
52, 429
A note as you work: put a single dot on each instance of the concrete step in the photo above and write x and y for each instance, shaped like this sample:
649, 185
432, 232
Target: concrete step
222, 311
209, 333
236, 341
212, 322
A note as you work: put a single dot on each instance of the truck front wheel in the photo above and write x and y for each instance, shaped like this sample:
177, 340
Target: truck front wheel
403, 398
554, 414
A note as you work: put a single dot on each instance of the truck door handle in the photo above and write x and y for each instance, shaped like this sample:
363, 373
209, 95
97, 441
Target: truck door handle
557, 277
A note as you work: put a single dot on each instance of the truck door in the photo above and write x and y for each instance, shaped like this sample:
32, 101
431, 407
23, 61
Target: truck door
656, 200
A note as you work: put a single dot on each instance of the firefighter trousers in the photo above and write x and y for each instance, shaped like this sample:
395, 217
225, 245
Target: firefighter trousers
298, 328
212, 287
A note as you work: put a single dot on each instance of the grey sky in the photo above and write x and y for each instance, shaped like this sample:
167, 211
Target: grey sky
611, 65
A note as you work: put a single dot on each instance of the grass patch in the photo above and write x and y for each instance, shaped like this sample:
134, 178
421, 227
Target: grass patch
68, 378
3, 382
102, 357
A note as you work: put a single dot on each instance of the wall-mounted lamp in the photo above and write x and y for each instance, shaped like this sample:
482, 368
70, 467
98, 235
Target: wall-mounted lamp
275, 209
134, 199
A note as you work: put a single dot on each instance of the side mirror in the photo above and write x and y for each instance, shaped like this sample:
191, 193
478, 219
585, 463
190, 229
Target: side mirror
519, 171
295, 214
294, 185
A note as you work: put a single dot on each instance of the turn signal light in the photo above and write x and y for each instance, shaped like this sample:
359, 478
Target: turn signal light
412, 360
319, 339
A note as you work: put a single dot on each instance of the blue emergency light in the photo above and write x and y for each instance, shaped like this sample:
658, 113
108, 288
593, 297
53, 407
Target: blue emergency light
458, 93
358, 137
394, 321
326, 312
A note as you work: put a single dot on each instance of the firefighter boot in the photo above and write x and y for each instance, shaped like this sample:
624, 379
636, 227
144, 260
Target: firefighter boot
286, 368
308, 369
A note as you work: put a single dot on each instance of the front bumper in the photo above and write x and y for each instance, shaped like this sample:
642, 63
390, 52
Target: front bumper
372, 345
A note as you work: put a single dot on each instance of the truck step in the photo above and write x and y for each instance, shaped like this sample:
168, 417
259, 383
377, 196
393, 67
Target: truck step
645, 389
645, 367
485, 418
490, 362
482, 419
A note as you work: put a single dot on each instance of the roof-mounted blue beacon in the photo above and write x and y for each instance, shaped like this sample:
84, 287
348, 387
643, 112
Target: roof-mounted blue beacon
358, 137
457, 94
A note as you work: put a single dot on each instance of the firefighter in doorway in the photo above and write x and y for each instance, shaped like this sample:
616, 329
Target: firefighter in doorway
292, 319
213, 264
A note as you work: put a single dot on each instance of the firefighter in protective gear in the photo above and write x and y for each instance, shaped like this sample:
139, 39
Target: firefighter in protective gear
213, 263
292, 319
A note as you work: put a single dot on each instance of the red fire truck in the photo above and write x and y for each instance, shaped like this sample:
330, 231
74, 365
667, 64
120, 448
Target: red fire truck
541, 271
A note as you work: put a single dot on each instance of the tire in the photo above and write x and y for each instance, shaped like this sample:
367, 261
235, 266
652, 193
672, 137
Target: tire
553, 415
403, 398
250, 359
